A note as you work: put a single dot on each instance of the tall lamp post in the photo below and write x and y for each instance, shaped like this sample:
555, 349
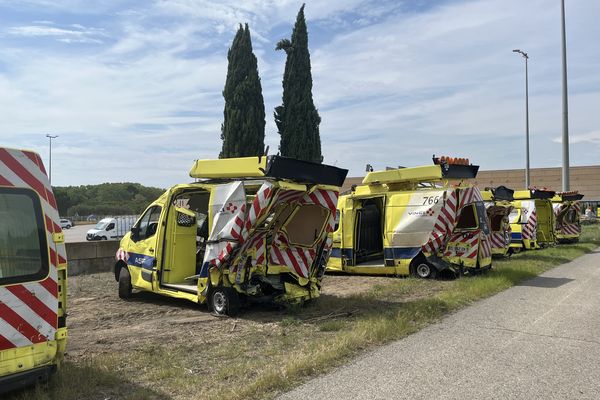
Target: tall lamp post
526, 57
50, 137
565, 106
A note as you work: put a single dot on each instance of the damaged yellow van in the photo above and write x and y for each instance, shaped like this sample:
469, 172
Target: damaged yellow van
413, 221
33, 273
252, 228
532, 219
498, 206
567, 212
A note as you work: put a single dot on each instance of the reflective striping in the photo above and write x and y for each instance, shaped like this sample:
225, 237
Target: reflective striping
21, 322
28, 311
529, 229
28, 314
5, 343
11, 337
38, 300
26, 176
31, 167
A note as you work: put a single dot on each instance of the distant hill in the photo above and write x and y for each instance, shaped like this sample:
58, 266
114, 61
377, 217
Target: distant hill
105, 199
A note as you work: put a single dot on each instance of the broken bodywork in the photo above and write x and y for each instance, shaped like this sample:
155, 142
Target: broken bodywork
532, 219
251, 228
498, 207
567, 212
412, 221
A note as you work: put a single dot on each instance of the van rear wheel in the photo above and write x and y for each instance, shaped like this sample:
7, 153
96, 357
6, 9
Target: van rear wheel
124, 283
224, 301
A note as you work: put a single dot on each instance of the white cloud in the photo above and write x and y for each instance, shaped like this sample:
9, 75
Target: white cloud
393, 84
78, 33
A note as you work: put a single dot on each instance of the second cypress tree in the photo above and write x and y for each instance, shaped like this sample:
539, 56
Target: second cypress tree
243, 129
297, 118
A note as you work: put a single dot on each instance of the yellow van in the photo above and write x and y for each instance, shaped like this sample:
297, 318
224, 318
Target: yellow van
532, 219
33, 276
567, 212
498, 206
251, 228
418, 221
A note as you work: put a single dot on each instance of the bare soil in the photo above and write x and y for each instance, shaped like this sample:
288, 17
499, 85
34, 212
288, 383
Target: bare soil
100, 322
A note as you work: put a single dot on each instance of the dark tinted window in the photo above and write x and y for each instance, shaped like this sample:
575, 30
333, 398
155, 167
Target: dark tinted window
148, 223
23, 245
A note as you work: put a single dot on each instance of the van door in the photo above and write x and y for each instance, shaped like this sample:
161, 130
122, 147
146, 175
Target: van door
143, 249
369, 232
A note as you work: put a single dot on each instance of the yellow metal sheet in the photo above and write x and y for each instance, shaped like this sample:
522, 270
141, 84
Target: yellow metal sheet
415, 174
242, 167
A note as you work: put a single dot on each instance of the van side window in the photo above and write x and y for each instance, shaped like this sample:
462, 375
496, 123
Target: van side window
148, 223
110, 226
23, 243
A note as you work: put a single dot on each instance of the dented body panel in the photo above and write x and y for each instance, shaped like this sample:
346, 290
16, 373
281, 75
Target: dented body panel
498, 206
397, 218
250, 229
532, 220
567, 213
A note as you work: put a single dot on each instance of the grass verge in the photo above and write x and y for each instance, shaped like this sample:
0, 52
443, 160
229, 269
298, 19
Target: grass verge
254, 358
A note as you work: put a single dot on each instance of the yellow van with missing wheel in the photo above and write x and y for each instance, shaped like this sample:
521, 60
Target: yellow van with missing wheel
567, 212
249, 229
498, 206
33, 273
532, 219
413, 221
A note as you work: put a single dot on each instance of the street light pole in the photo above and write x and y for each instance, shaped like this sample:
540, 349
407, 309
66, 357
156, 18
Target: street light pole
527, 176
50, 137
565, 106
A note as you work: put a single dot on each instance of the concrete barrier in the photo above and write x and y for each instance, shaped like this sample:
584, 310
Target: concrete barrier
91, 257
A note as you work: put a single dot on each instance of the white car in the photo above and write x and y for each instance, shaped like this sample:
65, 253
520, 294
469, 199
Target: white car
65, 223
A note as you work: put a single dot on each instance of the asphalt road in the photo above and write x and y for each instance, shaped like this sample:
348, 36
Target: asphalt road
76, 233
538, 340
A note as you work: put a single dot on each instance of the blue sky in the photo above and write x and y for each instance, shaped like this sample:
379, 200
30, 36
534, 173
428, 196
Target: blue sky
133, 88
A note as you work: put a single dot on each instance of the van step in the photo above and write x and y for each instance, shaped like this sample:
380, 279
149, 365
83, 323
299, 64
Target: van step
183, 287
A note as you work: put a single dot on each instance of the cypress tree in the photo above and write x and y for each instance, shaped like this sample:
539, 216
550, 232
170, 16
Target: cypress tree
243, 128
297, 118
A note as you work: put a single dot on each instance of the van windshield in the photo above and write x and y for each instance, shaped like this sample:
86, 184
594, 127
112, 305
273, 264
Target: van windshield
101, 225
23, 247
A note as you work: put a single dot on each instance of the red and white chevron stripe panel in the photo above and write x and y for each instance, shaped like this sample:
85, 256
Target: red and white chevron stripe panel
570, 229
529, 230
498, 240
298, 259
463, 245
486, 245
448, 217
444, 224
29, 311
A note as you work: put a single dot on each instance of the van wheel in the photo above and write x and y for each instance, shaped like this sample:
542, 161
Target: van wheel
124, 283
104, 238
424, 270
224, 301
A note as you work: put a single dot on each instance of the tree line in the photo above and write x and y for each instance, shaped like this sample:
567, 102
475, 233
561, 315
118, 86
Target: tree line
104, 199
297, 119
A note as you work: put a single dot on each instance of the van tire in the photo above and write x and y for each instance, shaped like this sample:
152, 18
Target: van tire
224, 301
124, 283
424, 270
